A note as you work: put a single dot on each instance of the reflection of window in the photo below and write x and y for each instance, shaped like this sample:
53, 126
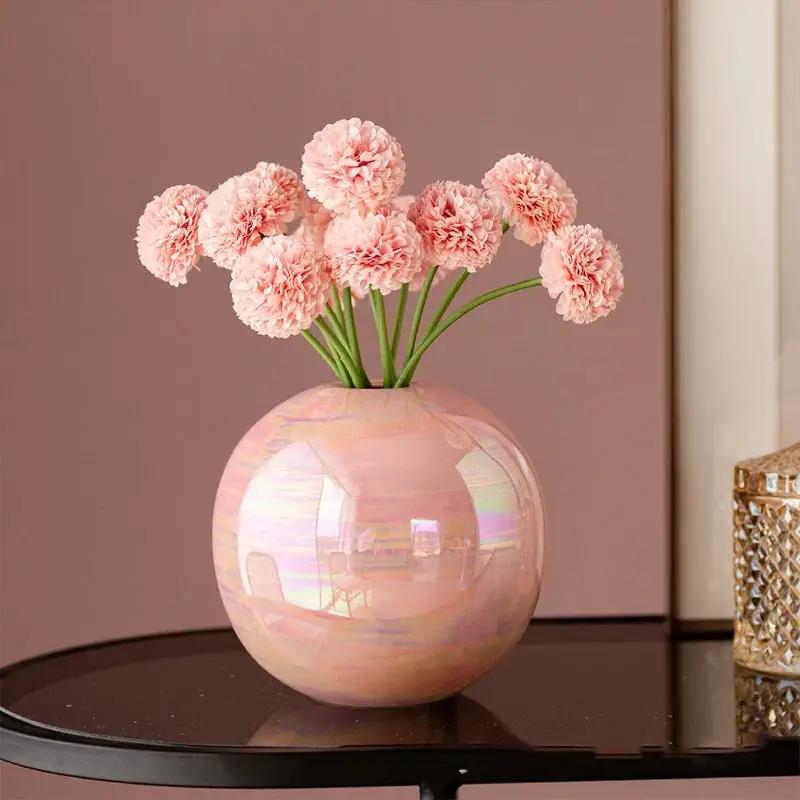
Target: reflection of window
329, 511
425, 535
490, 473
329, 516
263, 578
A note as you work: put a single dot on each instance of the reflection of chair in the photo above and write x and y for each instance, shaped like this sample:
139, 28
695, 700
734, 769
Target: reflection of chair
344, 586
262, 573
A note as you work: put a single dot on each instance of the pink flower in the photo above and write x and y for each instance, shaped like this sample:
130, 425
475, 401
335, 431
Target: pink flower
401, 203
166, 237
374, 251
584, 271
533, 197
459, 225
246, 208
312, 227
353, 165
280, 286
287, 195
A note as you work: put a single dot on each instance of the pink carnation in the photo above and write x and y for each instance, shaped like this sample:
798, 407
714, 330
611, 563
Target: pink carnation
533, 197
246, 208
353, 165
167, 238
401, 203
287, 195
280, 286
584, 271
459, 225
374, 251
315, 222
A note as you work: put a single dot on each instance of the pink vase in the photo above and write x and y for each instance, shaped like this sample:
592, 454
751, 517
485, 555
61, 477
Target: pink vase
378, 547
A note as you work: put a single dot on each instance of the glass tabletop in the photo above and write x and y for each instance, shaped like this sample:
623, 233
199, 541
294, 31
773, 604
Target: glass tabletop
613, 687
613, 690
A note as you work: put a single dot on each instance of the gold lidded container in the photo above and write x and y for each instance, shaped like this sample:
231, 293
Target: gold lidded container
766, 705
766, 562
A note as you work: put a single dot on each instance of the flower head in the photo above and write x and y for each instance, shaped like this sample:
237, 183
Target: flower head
312, 227
353, 165
287, 197
280, 286
400, 203
373, 251
459, 225
584, 271
532, 196
166, 237
246, 208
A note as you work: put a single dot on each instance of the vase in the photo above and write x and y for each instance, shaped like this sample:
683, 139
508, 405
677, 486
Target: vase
378, 547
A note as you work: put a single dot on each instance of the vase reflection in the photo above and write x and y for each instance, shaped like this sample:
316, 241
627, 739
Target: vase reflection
301, 722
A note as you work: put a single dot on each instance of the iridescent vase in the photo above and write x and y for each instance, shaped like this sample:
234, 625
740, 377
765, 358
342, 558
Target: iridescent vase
378, 547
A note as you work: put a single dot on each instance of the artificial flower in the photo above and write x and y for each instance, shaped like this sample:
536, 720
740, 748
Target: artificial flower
314, 223
401, 203
459, 225
584, 271
246, 208
280, 286
373, 251
167, 236
353, 165
531, 195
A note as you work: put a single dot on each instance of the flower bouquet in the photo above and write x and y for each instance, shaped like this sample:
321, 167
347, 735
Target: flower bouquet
356, 237
377, 548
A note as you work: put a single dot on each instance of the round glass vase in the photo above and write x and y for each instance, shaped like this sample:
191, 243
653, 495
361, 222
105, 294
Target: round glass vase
378, 547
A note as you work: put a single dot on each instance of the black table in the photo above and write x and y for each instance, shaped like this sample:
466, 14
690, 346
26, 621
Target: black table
574, 702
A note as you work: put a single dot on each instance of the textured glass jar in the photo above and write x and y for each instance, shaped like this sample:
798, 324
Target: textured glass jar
766, 541
378, 547
766, 705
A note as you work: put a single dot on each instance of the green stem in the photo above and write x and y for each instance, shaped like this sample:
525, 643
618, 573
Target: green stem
344, 375
418, 311
448, 298
338, 342
379, 312
352, 337
341, 351
398, 320
404, 379
337, 325
326, 356
337, 303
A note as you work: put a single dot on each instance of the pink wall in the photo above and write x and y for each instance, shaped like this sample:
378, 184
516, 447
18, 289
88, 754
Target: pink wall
125, 397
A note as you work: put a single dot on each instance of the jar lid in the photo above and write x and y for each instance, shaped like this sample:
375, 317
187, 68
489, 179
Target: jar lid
775, 474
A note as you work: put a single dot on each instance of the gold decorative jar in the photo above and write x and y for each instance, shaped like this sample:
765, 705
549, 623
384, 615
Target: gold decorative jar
765, 706
766, 541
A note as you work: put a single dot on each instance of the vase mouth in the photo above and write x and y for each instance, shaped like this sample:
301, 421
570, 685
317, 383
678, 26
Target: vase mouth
376, 384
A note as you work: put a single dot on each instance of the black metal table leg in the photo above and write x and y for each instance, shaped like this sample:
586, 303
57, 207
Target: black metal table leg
435, 791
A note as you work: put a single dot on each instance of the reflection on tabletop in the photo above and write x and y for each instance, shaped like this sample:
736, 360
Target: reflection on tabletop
615, 688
